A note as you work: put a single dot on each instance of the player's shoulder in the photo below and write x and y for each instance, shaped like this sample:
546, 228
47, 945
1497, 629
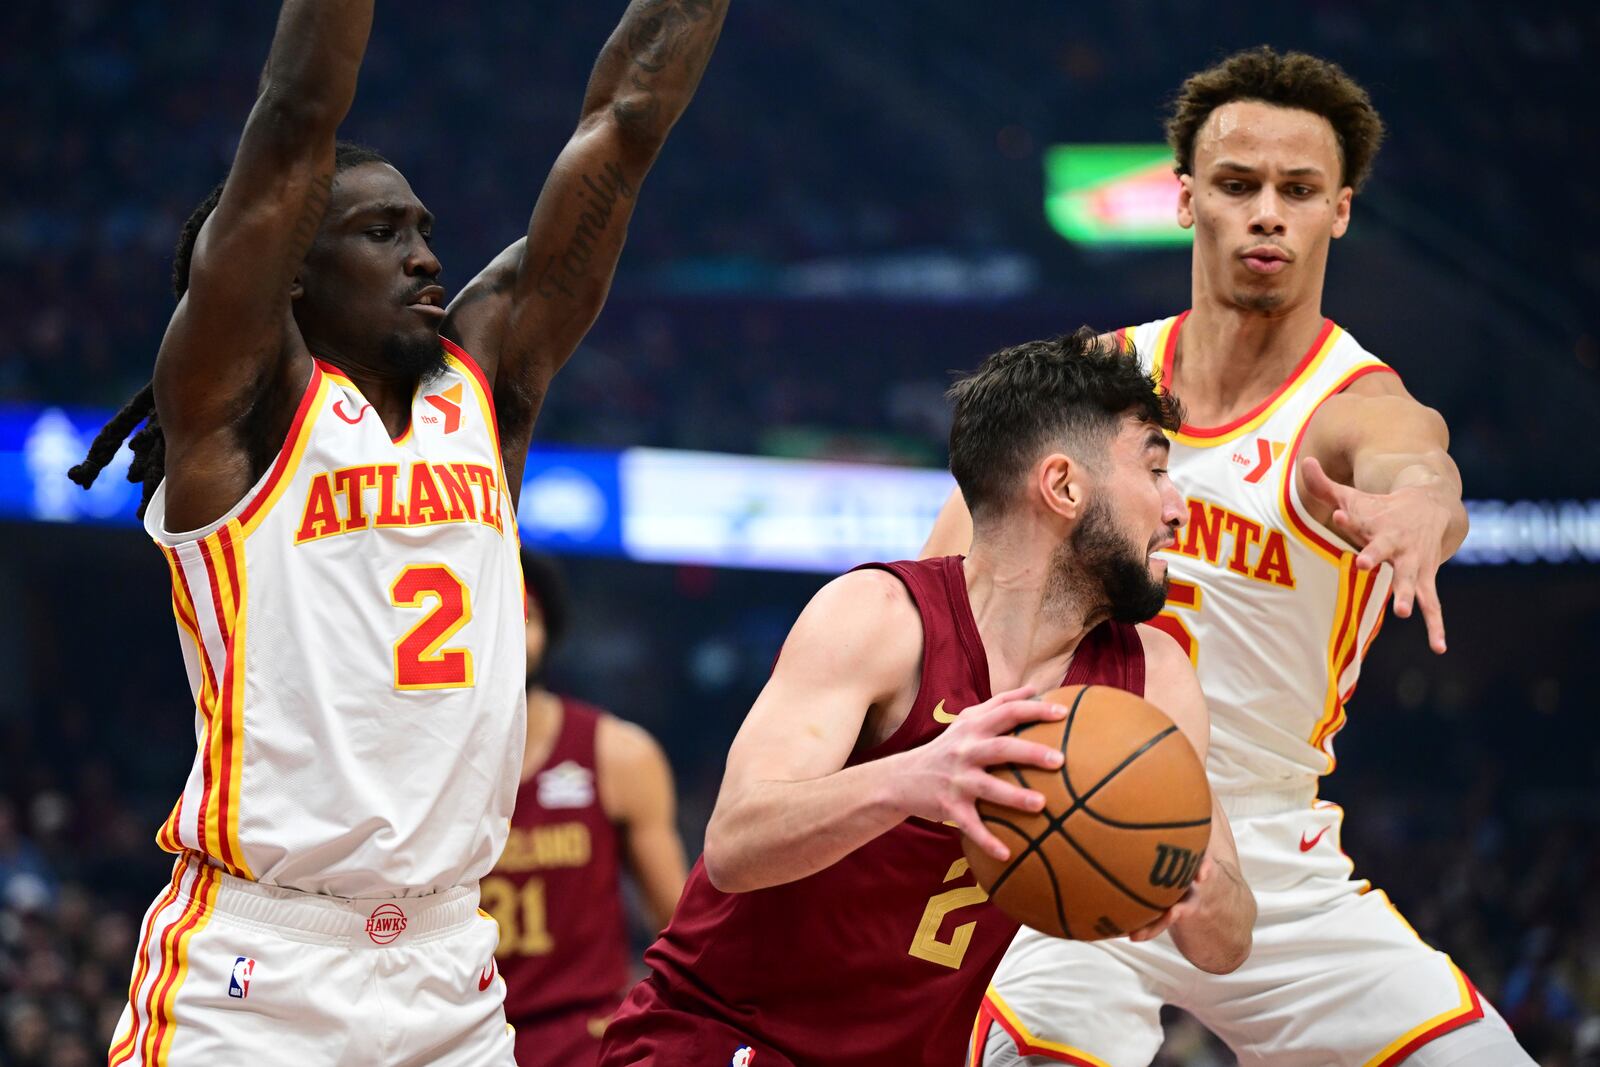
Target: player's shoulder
1167, 666
624, 745
865, 596
1161, 649
863, 618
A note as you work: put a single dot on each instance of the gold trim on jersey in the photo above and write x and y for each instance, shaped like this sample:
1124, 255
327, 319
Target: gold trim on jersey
1286, 391
289, 457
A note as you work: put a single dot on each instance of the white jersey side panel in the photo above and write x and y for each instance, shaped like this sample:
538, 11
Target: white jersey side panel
1266, 600
353, 633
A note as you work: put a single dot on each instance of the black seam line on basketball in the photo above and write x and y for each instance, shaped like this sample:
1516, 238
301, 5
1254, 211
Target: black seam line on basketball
1066, 731
1033, 843
1091, 861
1053, 823
1014, 864
1145, 825
1055, 889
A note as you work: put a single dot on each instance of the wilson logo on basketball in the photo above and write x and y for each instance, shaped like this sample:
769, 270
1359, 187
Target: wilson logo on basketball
1174, 866
386, 923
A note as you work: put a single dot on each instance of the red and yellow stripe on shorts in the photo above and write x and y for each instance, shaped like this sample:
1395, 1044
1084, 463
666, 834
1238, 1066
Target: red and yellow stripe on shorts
162, 964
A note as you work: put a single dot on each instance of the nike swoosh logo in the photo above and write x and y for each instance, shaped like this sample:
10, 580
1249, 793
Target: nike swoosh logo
485, 978
940, 715
1307, 846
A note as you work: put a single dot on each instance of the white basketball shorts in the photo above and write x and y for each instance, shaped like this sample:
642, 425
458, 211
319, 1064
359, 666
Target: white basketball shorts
229, 971
1336, 977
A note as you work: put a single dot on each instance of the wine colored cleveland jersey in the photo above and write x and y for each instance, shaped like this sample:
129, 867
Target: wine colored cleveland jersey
555, 891
881, 958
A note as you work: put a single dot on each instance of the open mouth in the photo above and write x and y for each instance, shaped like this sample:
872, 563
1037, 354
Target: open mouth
429, 301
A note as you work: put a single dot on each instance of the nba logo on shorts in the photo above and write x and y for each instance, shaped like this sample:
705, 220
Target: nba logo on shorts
239, 981
743, 1056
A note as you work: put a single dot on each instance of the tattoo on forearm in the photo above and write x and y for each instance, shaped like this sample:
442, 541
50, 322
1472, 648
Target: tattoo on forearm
599, 194
654, 35
310, 221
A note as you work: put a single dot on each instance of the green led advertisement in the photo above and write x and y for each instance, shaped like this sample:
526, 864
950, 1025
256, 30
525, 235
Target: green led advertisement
1112, 194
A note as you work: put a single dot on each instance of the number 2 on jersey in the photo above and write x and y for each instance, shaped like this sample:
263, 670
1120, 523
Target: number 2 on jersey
420, 661
926, 944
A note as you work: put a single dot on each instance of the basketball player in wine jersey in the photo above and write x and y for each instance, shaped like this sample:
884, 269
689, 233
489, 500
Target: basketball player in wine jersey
338, 457
1317, 488
832, 919
596, 796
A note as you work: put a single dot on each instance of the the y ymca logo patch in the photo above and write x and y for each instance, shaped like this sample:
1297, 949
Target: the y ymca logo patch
449, 405
744, 1056
1255, 466
239, 980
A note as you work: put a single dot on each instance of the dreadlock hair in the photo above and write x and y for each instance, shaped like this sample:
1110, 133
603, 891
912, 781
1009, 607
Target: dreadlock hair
149, 445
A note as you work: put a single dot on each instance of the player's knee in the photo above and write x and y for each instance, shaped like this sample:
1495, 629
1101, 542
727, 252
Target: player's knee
1486, 1043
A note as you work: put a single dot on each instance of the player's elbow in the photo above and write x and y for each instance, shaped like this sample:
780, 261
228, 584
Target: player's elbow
725, 865
1227, 956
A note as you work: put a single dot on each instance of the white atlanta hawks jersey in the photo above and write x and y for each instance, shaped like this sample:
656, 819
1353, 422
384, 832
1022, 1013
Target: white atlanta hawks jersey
1266, 600
353, 635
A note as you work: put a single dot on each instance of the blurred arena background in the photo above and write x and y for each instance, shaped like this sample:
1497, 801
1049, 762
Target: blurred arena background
854, 205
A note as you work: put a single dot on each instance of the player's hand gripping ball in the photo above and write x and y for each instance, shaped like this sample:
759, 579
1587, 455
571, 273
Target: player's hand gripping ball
1125, 822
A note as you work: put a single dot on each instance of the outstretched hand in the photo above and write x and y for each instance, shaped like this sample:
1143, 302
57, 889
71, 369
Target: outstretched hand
1404, 528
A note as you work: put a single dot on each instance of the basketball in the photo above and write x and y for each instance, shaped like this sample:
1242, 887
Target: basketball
1125, 821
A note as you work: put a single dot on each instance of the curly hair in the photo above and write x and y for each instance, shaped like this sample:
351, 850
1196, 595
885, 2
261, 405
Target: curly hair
149, 445
1284, 79
1075, 389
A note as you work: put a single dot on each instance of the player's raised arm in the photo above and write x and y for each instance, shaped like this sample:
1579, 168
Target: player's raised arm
524, 315
1380, 462
789, 806
1212, 924
230, 338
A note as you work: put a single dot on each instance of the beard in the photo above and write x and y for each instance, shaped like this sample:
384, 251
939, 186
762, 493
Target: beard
1103, 566
421, 358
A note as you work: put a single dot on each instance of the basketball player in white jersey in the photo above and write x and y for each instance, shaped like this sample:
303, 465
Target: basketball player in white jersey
338, 458
1317, 488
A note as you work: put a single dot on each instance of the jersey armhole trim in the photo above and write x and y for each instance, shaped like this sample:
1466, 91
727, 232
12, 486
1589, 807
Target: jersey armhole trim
469, 368
255, 504
887, 745
1301, 524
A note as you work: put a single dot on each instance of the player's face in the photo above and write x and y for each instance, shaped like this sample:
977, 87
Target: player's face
1135, 512
370, 282
1265, 201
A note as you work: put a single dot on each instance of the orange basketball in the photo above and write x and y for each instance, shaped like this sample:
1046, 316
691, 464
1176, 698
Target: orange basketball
1125, 821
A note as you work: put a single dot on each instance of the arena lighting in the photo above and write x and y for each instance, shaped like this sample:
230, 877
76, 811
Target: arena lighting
667, 506
1112, 194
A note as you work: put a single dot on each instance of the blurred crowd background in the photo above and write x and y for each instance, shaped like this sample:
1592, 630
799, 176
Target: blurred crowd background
851, 209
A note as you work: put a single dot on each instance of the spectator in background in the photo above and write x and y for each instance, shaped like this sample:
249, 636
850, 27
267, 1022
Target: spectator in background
596, 796
26, 881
